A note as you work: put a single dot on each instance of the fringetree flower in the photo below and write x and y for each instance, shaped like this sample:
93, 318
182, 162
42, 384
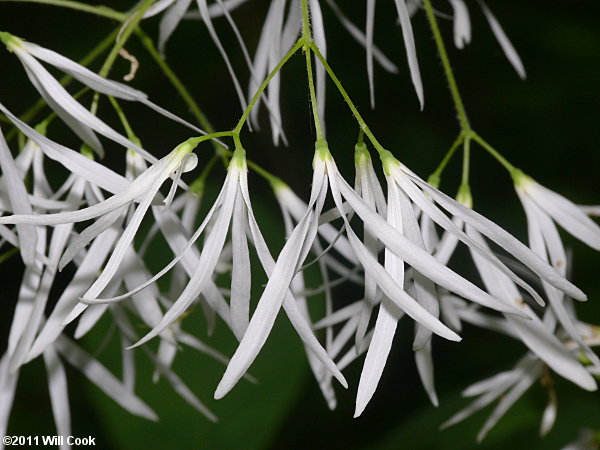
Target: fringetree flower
79, 119
542, 208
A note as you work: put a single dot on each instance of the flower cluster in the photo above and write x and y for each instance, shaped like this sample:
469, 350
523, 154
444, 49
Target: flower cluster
390, 235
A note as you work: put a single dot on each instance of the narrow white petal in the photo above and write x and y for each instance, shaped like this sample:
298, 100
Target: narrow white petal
360, 37
462, 23
202, 6
492, 383
206, 264
83, 278
507, 47
503, 239
19, 200
370, 17
289, 303
509, 399
268, 306
377, 353
424, 361
88, 235
75, 162
59, 395
338, 316
533, 332
68, 104
550, 412
566, 214
102, 378
169, 22
411, 51
418, 258
157, 7
318, 30
240, 275
8, 385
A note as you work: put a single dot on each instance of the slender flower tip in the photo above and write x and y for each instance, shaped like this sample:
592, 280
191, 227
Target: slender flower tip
358, 411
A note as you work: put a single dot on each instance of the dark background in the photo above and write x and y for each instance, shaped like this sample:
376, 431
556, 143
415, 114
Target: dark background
547, 125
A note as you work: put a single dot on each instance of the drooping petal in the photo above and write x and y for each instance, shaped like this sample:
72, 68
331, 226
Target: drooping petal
510, 52
19, 200
503, 239
59, 395
411, 52
462, 23
169, 22
102, 378
360, 37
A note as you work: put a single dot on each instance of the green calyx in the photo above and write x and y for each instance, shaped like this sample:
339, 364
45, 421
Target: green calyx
87, 151
186, 147
42, 127
388, 161
9, 40
434, 180
464, 196
520, 178
239, 157
322, 150
361, 154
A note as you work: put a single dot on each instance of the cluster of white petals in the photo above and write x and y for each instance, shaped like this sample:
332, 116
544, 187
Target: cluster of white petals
393, 242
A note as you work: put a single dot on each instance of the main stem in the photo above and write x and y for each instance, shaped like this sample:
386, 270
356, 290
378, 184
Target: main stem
307, 43
441, 47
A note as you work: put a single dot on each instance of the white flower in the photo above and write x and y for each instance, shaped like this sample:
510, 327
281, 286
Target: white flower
66, 107
535, 333
561, 210
143, 189
402, 248
508, 387
277, 292
542, 208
